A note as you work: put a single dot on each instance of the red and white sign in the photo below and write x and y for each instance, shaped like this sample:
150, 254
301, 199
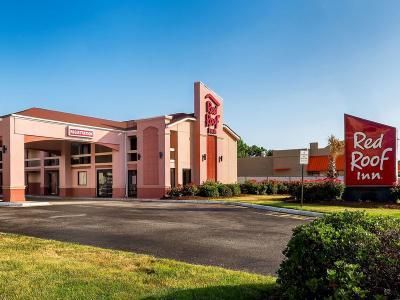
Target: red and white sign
80, 132
370, 151
212, 117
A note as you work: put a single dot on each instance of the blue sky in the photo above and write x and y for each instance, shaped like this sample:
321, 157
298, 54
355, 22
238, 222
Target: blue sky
287, 70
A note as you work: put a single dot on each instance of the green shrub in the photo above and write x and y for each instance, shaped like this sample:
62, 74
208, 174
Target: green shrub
272, 189
319, 190
211, 183
395, 193
224, 191
250, 187
235, 188
282, 188
266, 187
293, 187
175, 192
343, 256
262, 188
209, 190
190, 190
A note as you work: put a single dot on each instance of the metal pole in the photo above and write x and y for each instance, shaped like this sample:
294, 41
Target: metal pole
302, 184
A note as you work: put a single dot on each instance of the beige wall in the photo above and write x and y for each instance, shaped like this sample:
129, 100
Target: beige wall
282, 163
184, 148
255, 166
230, 161
13, 162
286, 162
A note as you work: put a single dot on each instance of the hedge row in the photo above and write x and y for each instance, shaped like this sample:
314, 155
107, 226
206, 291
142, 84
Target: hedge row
208, 189
313, 190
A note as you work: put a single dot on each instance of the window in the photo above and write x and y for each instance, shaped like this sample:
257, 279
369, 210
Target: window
50, 154
186, 176
172, 174
82, 178
80, 154
133, 143
79, 149
51, 162
83, 160
132, 156
32, 163
172, 155
101, 159
102, 149
132, 152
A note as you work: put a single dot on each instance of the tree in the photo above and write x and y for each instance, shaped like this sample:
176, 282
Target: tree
336, 147
244, 150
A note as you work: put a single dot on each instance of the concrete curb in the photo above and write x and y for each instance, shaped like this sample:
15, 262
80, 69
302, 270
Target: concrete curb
72, 199
290, 211
23, 204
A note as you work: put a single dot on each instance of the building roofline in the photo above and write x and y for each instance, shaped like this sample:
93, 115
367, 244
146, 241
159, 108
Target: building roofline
232, 132
181, 121
210, 89
153, 118
65, 123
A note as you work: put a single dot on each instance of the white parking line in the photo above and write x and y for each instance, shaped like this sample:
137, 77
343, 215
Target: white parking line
283, 215
67, 216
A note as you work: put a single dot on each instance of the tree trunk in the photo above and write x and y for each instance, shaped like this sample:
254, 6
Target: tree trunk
332, 173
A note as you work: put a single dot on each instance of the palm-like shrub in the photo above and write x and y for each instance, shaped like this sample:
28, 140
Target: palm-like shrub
335, 148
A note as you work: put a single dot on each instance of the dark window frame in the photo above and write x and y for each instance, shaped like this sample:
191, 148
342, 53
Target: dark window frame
186, 179
133, 143
172, 173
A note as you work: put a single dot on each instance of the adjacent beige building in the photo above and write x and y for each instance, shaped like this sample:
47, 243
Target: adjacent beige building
285, 164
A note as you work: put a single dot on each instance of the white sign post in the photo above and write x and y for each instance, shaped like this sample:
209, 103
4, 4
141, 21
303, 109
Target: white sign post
303, 161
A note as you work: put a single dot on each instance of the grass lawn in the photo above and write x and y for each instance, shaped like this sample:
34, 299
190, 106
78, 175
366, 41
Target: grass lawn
32, 268
338, 206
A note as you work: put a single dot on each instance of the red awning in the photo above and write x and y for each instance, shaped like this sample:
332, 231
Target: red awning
320, 163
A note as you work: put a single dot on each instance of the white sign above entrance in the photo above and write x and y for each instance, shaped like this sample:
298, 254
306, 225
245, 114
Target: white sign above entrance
304, 157
80, 132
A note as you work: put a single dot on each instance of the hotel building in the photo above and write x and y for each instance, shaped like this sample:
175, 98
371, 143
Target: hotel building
45, 152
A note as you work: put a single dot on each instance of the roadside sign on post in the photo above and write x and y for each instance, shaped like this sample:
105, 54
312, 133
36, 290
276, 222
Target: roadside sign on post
303, 161
304, 157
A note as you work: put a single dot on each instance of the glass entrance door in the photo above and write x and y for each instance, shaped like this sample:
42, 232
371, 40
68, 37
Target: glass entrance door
132, 183
104, 183
51, 183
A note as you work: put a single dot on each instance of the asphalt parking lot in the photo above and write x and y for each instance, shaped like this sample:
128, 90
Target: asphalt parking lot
231, 237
